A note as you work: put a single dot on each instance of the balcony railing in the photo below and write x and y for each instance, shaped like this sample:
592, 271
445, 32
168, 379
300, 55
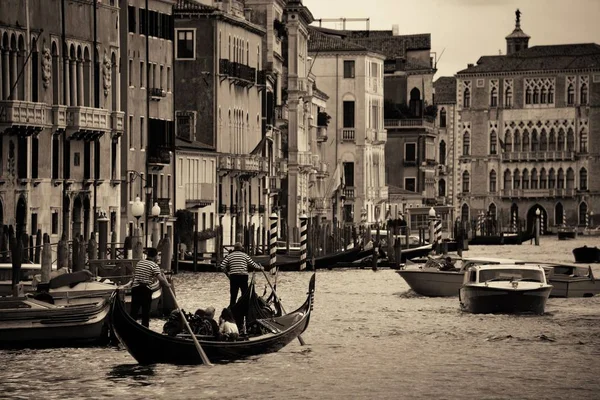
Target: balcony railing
157, 93
538, 156
408, 123
348, 134
59, 116
117, 120
250, 164
199, 194
321, 134
380, 136
159, 155
87, 123
539, 193
24, 113
225, 162
349, 193
281, 112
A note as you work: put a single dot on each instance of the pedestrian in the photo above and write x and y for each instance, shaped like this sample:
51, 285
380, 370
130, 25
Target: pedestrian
144, 275
236, 265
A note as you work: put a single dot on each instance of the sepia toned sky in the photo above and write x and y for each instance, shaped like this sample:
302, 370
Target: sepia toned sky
467, 29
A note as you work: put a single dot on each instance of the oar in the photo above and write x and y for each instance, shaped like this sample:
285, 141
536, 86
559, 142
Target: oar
280, 305
201, 352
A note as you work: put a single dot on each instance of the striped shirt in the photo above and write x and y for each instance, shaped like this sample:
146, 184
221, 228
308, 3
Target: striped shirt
237, 263
145, 273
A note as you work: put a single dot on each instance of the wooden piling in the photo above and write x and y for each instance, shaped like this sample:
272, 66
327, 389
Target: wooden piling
92, 248
46, 262
63, 253
75, 254
38, 246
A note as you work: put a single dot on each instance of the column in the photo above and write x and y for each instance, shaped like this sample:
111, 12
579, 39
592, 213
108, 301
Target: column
67, 83
13, 75
73, 82
5, 74
80, 100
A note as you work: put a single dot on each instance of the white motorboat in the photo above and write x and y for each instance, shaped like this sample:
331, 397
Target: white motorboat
571, 280
504, 288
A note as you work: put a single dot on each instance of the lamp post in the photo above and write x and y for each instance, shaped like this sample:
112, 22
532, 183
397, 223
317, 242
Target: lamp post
137, 209
148, 191
155, 214
431, 225
537, 226
591, 219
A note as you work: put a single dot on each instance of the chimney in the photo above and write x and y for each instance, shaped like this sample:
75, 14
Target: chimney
395, 30
469, 65
248, 14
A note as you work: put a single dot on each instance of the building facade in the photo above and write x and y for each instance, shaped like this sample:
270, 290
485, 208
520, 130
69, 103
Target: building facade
218, 105
147, 162
446, 154
60, 116
526, 134
354, 152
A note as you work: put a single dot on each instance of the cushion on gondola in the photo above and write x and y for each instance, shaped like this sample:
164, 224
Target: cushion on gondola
71, 279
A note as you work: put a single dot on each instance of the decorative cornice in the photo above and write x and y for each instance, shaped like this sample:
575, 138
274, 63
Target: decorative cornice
535, 72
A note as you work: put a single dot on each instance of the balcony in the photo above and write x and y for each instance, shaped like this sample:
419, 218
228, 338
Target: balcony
298, 84
538, 193
250, 164
24, 117
117, 121
262, 209
538, 156
222, 208
158, 156
157, 94
224, 67
59, 117
413, 123
304, 158
236, 163
383, 192
322, 205
283, 167
281, 113
274, 183
349, 193
347, 134
263, 165
87, 123
380, 136
225, 163
239, 74
321, 134
199, 195
252, 209
261, 77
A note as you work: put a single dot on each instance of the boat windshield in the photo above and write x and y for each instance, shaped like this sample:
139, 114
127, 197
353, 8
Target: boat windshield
510, 274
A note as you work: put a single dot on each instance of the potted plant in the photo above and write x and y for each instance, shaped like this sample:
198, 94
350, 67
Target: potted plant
323, 119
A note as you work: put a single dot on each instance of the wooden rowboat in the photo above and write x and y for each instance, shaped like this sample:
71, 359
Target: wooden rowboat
150, 347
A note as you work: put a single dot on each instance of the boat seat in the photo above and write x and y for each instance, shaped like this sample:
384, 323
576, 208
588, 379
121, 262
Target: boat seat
70, 279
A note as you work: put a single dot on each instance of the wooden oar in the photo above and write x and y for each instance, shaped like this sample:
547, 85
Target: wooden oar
280, 305
201, 352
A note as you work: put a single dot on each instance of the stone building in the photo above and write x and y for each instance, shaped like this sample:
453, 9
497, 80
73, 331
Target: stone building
60, 115
352, 76
444, 99
219, 58
147, 170
526, 137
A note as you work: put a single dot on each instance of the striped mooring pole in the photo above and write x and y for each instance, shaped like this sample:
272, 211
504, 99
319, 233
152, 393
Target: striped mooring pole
514, 222
541, 223
587, 219
438, 231
273, 243
564, 219
303, 231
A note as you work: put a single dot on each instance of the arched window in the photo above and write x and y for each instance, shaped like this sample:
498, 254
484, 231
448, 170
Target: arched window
560, 179
466, 143
526, 141
508, 141
536, 96
535, 144
517, 146
552, 140
583, 94
551, 179
507, 180
466, 182
493, 181
570, 95
464, 213
559, 214
583, 212
442, 188
516, 179
508, 95
467, 98
528, 96
443, 152
560, 146
494, 97
543, 179
570, 140
551, 95
583, 179
415, 102
583, 141
493, 143
525, 179
543, 141
543, 96
534, 179
570, 178
492, 211
443, 118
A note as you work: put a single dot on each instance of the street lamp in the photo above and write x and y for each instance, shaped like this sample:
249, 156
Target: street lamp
137, 209
155, 213
537, 226
431, 225
148, 191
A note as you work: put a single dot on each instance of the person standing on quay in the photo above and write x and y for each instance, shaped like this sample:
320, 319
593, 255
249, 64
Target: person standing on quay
144, 275
236, 265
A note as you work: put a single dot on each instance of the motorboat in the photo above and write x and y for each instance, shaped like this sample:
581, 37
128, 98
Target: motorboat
571, 280
504, 288
428, 280
586, 254
28, 322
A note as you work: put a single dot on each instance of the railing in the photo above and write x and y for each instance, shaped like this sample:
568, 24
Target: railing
250, 163
157, 93
117, 121
304, 158
24, 113
380, 136
348, 134
408, 123
538, 193
281, 112
349, 193
225, 163
321, 133
88, 118
159, 155
59, 116
538, 155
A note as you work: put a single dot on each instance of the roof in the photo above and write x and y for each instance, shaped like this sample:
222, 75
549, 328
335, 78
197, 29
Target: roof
518, 34
445, 90
398, 190
193, 5
320, 41
536, 58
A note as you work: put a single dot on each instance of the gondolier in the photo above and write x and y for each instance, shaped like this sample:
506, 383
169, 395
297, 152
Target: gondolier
144, 275
236, 265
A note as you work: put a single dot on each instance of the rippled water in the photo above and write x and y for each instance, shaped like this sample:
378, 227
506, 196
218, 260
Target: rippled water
369, 337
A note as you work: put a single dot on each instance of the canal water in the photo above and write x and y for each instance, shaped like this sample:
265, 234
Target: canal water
370, 337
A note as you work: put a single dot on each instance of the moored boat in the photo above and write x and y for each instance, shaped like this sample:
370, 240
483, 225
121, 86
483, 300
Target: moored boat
586, 254
504, 288
571, 281
150, 347
27, 322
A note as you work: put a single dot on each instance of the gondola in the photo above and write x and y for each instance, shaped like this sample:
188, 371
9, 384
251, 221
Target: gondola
586, 254
150, 347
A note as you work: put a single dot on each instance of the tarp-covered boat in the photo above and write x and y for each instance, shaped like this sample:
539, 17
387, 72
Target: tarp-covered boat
150, 347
